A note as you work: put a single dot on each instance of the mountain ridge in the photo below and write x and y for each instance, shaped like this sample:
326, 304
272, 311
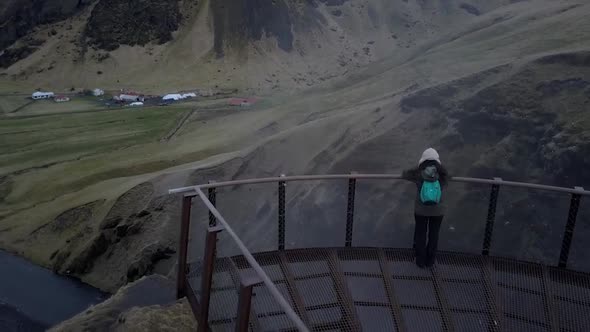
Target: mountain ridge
301, 43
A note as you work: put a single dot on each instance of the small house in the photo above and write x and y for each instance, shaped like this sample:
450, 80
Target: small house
189, 95
243, 102
98, 92
179, 96
130, 96
61, 99
172, 96
42, 95
206, 92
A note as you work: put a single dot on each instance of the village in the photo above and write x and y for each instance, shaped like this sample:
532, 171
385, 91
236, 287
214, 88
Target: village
134, 99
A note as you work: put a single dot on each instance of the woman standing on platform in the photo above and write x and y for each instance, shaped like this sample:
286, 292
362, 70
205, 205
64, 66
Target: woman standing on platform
430, 178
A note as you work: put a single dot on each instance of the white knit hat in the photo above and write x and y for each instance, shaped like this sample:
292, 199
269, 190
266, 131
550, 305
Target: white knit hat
430, 154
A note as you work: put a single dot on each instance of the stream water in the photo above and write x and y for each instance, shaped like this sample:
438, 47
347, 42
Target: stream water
33, 298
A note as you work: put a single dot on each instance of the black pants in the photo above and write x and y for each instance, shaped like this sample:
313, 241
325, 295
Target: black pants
426, 253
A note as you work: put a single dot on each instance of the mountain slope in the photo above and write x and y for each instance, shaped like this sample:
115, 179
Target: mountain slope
19, 17
247, 44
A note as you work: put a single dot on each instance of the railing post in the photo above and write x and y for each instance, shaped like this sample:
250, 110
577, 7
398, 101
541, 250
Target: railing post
213, 199
489, 232
183, 243
245, 301
282, 185
569, 229
350, 211
208, 266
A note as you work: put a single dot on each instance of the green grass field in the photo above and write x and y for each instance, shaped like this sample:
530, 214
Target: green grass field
44, 157
10, 103
23, 105
77, 104
39, 141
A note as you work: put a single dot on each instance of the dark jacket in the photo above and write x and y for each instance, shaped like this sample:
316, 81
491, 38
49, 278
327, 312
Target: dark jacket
417, 175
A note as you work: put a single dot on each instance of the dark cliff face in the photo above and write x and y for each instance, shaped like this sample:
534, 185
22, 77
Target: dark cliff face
112, 22
531, 126
239, 21
19, 17
236, 21
132, 22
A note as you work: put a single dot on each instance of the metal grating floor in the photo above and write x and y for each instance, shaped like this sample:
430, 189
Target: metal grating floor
368, 289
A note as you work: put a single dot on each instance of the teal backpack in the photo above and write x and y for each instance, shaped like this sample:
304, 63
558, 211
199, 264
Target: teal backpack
430, 193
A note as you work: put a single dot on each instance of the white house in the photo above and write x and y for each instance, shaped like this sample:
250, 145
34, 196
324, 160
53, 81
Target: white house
178, 96
131, 97
172, 96
189, 95
206, 92
97, 92
42, 95
61, 99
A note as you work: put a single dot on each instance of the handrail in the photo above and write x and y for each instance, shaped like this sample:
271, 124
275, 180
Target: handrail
577, 190
254, 264
197, 190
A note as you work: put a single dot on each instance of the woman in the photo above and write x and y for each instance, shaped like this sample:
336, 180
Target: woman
431, 178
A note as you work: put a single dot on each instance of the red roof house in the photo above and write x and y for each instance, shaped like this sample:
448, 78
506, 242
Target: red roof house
242, 101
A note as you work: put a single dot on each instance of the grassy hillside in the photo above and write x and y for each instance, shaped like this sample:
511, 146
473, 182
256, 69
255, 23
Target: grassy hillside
236, 44
32, 146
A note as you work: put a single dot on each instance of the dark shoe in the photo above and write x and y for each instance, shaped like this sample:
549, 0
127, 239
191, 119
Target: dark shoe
420, 264
429, 263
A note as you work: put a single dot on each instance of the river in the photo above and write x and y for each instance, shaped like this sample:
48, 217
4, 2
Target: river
33, 298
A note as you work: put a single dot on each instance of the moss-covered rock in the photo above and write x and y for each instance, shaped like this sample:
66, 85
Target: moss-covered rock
132, 22
18, 17
148, 303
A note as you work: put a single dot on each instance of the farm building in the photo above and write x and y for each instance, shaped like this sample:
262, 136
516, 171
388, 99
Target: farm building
129, 96
179, 96
61, 99
172, 96
244, 102
206, 92
97, 92
42, 95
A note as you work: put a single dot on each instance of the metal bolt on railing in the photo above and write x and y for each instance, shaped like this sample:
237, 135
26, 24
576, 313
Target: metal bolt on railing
213, 198
487, 241
183, 250
282, 187
569, 229
207, 278
247, 283
350, 211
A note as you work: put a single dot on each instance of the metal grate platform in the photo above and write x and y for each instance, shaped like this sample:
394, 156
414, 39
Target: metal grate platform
368, 289
371, 289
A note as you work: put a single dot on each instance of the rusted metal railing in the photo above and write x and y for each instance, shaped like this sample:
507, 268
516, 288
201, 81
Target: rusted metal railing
218, 224
201, 308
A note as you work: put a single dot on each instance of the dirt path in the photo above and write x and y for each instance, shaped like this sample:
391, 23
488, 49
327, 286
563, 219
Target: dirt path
28, 116
21, 107
178, 126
